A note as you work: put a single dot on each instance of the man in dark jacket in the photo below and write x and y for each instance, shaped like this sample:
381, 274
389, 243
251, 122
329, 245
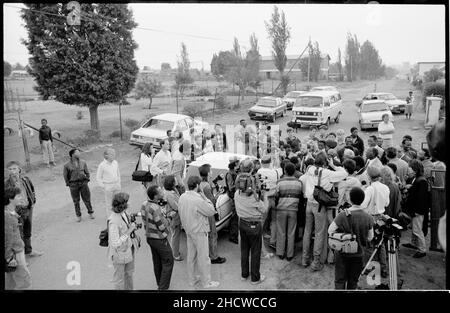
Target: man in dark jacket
230, 183
76, 175
25, 209
46, 142
358, 143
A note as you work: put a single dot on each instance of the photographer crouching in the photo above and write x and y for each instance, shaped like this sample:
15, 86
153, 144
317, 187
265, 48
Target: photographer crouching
157, 232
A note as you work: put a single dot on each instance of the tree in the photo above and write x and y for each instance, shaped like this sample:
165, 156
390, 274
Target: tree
339, 66
183, 76
253, 63
316, 61
6, 69
221, 63
18, 67
86, 65
147, 88
433, 75
165, 67
279, 35
352, 57
390, 72
371, 65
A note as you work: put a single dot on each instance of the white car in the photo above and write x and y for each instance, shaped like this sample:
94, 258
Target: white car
395, 105
219, 165
155, 129
268, 108
290, 97
370, 113
324, 88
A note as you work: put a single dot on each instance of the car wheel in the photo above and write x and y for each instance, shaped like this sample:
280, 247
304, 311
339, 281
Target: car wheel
336, 120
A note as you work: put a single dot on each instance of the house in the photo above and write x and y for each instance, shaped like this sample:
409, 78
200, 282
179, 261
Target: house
426, 66
268, 69
19, 74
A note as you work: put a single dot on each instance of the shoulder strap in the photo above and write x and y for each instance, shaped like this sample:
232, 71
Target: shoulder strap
137, 164
320, 177
349, 218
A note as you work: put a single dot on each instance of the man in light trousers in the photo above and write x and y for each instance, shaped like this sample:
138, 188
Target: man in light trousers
108, 177
46, 141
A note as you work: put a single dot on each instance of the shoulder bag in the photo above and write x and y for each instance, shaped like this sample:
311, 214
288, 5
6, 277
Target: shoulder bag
140, 175
344, 242
325, 198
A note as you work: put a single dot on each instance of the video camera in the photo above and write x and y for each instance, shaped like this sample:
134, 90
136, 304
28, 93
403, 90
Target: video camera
263, 182
387, 226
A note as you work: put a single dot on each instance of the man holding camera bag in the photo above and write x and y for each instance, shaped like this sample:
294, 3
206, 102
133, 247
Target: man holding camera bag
360, 224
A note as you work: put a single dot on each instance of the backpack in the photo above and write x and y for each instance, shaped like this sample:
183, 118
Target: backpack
245, 183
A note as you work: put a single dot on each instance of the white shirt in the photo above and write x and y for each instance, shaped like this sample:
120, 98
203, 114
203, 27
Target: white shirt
375, 163
145, 162
162, 163
382, 127
326, 182
108, 173
376, 198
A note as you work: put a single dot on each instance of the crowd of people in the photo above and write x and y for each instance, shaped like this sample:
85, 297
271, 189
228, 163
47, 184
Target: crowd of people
273, 193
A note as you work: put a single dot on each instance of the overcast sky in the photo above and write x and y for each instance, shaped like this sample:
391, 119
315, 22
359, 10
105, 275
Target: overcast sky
401, 33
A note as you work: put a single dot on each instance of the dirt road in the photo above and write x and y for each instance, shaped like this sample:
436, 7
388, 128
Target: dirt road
63, 240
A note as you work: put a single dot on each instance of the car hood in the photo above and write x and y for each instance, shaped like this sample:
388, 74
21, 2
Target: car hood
261, 109
374, 116
149, 132
288, 99
395, 102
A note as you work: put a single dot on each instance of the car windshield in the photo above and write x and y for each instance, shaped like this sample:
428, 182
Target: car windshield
159, 124
374, 107
388, 96
309, 101
322, 88
293, 94
266, 103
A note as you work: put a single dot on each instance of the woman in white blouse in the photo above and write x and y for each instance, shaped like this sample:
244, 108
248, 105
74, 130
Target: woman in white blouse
146, 160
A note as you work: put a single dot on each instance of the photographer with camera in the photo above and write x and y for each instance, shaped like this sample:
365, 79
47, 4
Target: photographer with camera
230, 183
123, 242
157, 232
355, 221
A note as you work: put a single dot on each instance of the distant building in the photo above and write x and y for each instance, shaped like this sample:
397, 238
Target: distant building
268, 69
19, 74
426, 66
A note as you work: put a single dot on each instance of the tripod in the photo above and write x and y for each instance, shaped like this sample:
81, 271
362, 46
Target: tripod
391, 243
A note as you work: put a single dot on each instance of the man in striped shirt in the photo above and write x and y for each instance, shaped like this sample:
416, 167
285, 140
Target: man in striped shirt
288, 193
157, 231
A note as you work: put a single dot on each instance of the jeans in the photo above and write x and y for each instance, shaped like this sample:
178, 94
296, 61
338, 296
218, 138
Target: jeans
286, 225
417, 236
346, 271
197, 257
327, 253
47, 151
319, 221
175, 233
123, 275
81, 189
251, 243
162, 261
212, 239
273, 226
110, 191
26, 220
20, 279
266, 222
234, 223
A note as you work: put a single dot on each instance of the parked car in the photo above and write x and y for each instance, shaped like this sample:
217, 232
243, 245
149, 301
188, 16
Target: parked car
370, 113
155, 129
290, 97
395, 105
317, 108
324, 88
268, 108
219, 165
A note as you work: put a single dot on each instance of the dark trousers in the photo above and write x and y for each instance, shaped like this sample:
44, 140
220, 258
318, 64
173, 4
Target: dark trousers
234, 223
251, 244
26, 218
346, 271
81, 189
162, 261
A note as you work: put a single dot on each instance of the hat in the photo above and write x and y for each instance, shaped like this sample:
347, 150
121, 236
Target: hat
331, 144
266, 159
234, 159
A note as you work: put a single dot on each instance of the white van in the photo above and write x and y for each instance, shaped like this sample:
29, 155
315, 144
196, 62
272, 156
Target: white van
317, 108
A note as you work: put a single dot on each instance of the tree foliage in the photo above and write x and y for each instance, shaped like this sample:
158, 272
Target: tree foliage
314, 59
18, 67
279, 35
352, 57
148, 87
370, 65
7, 68
433, 75
390, 72
86, 65
183, 77
339, 66
165, 67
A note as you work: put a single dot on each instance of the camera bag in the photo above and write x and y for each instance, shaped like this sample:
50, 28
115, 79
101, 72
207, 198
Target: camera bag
11, 264
325, 198
104, 236
140, 175
344, 242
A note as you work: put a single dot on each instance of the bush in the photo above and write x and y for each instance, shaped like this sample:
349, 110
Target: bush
115, 134
221, 102
194, 109
79, 115
203, 92
132, 124
436, 89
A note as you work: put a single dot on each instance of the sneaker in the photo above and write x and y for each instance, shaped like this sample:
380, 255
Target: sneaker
306, 264
418, 255
91, 216
34, 253
315, 267
178, 258
218, 260
244, 278
261, 279
267, 256
78, 219
212, 284
410, 246
281, 257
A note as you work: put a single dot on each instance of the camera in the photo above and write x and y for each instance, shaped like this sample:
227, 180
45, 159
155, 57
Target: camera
133, 219
218, 178
161, 202
263, 182
387, 226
